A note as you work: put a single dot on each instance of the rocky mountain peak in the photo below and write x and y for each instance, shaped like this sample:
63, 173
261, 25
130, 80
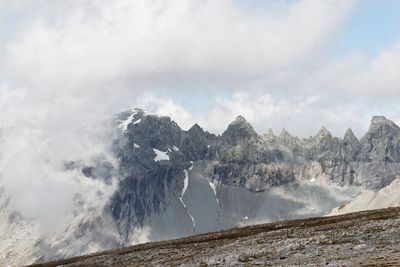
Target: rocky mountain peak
196, 129
239, 130
379, 120
241, 122
139, 110
158, 132
270, 137
382, 141
239, 119
285, 134
270, 134
287, 139
349, 136
323, 133
381, 124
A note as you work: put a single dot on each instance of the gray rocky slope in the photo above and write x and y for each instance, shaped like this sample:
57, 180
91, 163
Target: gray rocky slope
176, 183
368, 238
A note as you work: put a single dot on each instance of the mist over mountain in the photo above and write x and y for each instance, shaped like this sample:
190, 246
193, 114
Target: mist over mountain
159, 182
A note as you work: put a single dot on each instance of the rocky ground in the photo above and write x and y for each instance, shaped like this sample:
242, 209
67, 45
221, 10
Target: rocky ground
368, 238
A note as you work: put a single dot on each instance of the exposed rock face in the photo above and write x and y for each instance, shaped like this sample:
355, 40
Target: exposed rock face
293, 145
239, 132
382, 142
322, 147
195, 143
155, 156
148, 183
240, 157
141, 194
246, 159
240, 144
349, 147
373, 161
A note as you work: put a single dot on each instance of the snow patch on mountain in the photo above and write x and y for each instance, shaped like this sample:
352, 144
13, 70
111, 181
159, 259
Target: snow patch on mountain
124, 124
160, 155
185, 183
212, 185
185, 186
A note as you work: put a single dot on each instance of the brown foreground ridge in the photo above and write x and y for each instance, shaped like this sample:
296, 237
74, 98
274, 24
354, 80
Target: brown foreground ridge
367, 238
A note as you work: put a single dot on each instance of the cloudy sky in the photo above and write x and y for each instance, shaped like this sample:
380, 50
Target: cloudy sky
298, 64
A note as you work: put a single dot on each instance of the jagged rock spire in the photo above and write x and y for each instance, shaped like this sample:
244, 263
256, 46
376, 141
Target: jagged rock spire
381, 142
239, 129
323, 133
239, 120
285, 134
196, 129
378, 122
349, 136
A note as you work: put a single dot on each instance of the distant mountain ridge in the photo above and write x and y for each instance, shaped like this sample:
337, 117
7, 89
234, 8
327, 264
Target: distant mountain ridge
241, 157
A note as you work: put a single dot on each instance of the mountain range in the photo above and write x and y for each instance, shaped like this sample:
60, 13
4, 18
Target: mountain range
174, 183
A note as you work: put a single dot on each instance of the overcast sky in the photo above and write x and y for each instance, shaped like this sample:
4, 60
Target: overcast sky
279, 63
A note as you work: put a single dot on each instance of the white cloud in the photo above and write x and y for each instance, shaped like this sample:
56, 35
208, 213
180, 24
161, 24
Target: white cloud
302, 116
117, 54
159, 42
165, 106
379, 76
37, 137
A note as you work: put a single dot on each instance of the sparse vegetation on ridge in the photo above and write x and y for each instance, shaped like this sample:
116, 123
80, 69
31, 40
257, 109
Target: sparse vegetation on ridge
367, 238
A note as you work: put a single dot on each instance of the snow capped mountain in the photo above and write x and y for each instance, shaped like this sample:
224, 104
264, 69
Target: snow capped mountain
173, 183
